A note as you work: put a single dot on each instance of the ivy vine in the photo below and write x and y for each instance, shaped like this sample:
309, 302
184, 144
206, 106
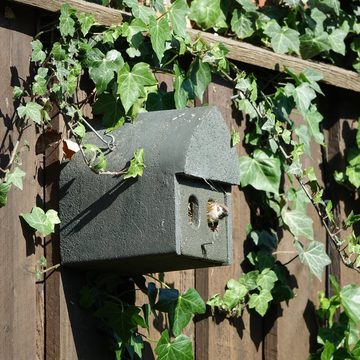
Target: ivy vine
121, 64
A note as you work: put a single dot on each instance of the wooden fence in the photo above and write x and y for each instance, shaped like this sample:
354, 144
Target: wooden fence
43, 320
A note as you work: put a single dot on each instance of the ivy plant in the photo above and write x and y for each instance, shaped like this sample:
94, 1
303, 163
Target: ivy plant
120, 65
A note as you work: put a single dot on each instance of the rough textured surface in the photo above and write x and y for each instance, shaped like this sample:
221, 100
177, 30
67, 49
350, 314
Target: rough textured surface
142, 225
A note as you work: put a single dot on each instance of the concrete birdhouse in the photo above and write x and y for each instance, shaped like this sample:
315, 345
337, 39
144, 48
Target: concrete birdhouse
160, 221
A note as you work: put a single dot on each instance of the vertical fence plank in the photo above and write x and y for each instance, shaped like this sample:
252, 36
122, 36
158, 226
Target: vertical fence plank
341, 111
217, 336
21, 299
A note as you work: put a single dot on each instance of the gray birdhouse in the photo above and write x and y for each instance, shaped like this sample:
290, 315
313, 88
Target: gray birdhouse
157, 222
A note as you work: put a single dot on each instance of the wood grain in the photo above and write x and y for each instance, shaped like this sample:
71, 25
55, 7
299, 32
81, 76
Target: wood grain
21, 299
216, 335
103, 15
254, 55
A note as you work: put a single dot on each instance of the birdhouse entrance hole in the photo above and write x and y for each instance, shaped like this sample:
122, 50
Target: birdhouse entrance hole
193, 211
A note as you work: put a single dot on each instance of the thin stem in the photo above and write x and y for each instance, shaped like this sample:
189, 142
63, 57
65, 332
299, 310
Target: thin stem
159, 281
54, 267
283, 252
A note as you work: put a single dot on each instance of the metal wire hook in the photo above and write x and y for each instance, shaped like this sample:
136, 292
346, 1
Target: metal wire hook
110, 144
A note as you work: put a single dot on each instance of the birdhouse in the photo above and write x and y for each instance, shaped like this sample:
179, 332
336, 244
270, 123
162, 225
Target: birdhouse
159, 221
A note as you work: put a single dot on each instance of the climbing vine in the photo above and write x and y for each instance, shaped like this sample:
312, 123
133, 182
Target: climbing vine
121, 64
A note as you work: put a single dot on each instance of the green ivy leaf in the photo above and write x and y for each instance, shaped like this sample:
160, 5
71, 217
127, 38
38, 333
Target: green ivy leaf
42, 222
159, 33
351, 219
80, 131
17, 92
205, 12
102, 71
95, 157
137, 345
131, 84
178, 15
4, 190
188, 304
234, 293
261, 171
66, 22
314, 256
266, 279
337, 41
242, 24
313, 119
312, 44
299, 223
303, 95
111, 109
32, 111
15, 177
200, 77
37, 51
178, 349
350, 300
283, 39
86, 22
235, 138
137, 165
39, 85
249, 279
260, 301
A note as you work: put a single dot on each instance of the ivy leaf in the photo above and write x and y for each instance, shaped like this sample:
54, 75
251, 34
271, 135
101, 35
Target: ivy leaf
159, 33
111, 109
312, 44
4, 190
102, 72
137, 165
17, 92
80, 131
32, 111
260, 301
86, 22
205, 12
42, 222
66, 22
314, 256
351, 219
303, 95
234, 293
242, 24
137, 344
178, 14
350, 300
188, 304
37, 51
180, 94
95, 157
261, 171
249, 279
15, 177
337, 41
200, 76
266, 279
235, 137
131, 83
39, 85
313, 119
332, 6
299, 223
283, 39
248, 5
178, 349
